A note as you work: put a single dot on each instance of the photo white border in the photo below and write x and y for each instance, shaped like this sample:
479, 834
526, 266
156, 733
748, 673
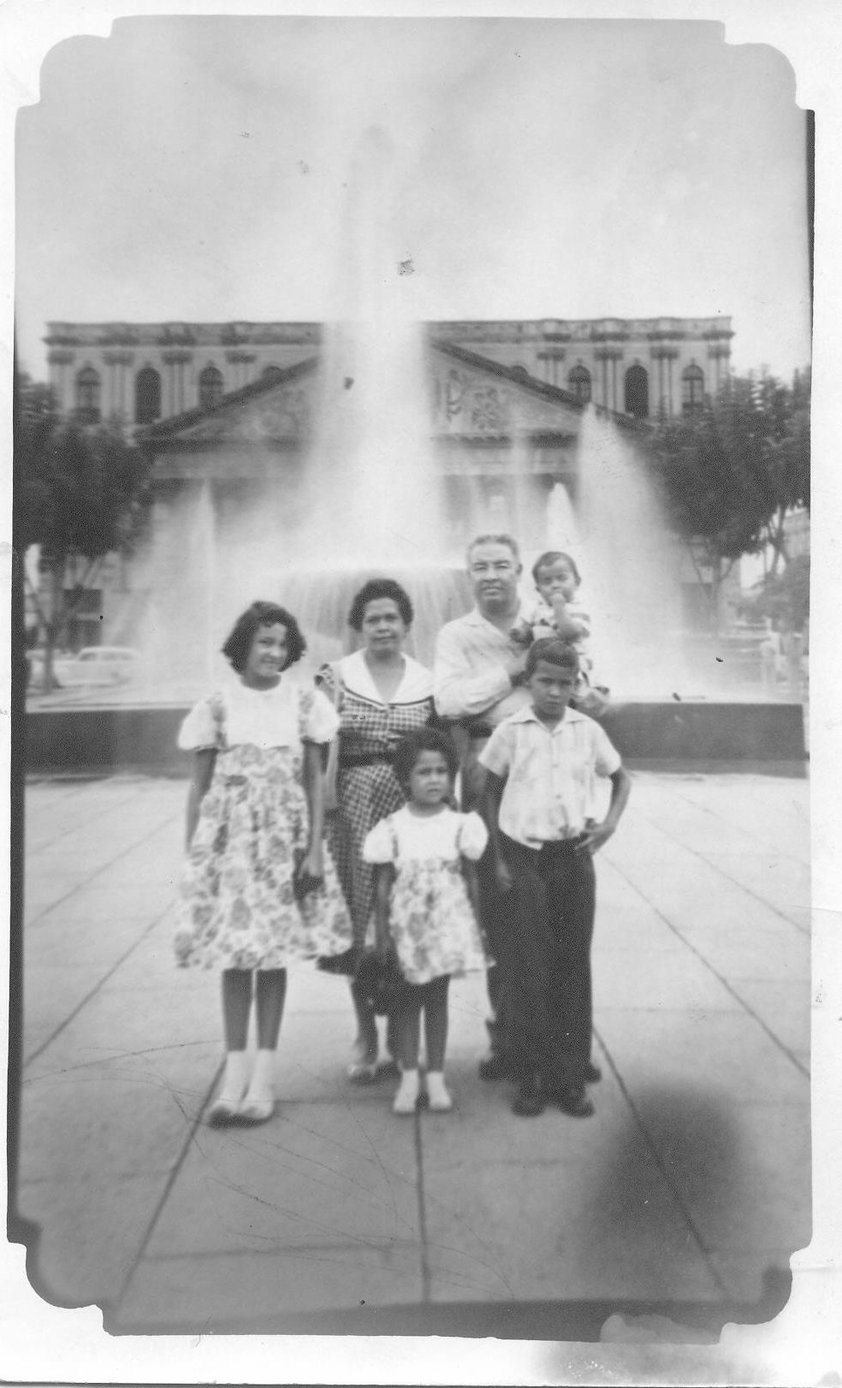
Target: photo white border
40, 1343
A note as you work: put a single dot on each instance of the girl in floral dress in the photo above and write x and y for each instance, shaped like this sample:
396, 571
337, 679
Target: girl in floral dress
426, 903
259, 890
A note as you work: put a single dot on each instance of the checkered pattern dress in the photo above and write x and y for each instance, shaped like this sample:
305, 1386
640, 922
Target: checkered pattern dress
366, 794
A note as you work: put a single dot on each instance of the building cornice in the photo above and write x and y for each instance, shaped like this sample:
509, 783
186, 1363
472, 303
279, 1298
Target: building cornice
253, 334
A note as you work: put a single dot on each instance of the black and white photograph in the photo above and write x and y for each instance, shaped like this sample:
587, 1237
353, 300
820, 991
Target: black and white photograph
411, 692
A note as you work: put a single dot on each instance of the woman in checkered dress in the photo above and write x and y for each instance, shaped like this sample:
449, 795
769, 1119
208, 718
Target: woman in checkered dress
380, 695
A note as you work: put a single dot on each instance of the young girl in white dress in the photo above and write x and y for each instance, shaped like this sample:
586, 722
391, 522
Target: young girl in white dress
425, 904
259, 890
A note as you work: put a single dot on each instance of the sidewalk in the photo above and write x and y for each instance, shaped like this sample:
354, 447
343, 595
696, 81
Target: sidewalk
692, 1179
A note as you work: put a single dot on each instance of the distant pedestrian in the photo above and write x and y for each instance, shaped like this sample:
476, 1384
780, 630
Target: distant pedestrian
259, 891
425, 908
540, 805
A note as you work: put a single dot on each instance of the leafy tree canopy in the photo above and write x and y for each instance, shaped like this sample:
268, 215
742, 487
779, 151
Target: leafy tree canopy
80, 493
731, 474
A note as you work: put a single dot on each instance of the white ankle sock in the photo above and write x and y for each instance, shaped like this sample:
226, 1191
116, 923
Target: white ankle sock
437, 1091
235, 1076
407, 1095
262, 1085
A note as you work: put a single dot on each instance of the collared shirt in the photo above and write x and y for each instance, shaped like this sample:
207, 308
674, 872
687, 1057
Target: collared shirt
469, 676
551, 774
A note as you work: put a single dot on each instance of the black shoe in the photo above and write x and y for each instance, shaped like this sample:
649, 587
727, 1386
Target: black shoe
593, 1074
495, 1067
529, 1101
388, 1069
574, 1102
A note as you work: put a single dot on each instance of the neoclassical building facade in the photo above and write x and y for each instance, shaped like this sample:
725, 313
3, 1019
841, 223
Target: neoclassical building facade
146, 372
225, 410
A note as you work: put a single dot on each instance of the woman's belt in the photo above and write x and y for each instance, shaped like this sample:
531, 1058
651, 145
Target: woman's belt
350, 759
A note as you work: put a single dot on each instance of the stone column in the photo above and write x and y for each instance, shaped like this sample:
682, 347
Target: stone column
61, 379
240, 362
665, 356
608, 357
174, 391
116, 393
718, 355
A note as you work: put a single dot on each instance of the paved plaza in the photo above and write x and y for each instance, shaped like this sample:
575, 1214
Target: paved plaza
686, 1193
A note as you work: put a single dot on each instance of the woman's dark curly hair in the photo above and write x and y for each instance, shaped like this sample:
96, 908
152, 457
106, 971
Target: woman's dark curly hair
262, 614
380, 588
420, 740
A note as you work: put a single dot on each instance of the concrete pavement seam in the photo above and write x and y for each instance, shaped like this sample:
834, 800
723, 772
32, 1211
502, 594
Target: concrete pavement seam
72, 828
103, 867
422, 1209
717, 975
802, 930
39, 1050
656, 1157
165, 1194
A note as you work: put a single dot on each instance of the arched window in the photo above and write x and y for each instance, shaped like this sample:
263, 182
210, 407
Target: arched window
579, 381
271, 373
637, 392
210, 388
88, 390
692, 390
147, 396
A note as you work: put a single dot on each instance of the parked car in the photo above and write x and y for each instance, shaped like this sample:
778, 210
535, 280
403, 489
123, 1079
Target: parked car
98, 665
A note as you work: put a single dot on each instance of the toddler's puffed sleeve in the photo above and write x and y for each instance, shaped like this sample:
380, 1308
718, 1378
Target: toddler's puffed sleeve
322, 721
199, 730
379, 845
473, 836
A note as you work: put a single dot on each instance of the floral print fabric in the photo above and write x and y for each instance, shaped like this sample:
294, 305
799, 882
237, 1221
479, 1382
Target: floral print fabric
431, 920
238, 909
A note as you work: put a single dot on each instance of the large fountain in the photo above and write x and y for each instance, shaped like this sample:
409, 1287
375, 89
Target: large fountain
370, 499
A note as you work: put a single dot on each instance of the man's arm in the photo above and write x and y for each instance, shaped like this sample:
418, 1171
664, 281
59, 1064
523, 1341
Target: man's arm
459, 690
491, 798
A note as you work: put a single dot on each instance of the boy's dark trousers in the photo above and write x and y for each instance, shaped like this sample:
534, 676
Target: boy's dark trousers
545, 956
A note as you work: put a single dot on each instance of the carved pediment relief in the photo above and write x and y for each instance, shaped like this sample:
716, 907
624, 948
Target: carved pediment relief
466, 398
469, 401
281, 414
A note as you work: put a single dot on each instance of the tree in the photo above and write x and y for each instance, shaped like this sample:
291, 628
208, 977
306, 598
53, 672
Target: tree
783, 597
80, 493
732, 474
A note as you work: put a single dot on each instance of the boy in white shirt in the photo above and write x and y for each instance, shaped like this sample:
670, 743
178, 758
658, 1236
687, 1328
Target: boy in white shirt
539, 803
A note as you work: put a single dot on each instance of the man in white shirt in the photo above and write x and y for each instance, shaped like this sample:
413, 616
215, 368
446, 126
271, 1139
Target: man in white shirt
478, 681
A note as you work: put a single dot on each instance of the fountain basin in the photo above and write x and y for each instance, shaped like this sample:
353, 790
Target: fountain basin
700, 735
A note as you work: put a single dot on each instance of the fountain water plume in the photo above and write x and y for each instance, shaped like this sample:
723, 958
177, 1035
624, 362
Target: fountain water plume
372, 475
631, 566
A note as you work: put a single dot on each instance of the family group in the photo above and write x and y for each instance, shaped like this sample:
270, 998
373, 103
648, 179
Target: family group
323, 825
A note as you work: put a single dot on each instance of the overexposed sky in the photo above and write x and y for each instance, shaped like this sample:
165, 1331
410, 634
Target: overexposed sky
200, 168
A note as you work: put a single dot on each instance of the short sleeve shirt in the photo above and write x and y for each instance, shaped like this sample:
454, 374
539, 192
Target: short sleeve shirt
260, 717
551, 774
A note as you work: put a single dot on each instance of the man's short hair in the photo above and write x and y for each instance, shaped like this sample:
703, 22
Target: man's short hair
508, 540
